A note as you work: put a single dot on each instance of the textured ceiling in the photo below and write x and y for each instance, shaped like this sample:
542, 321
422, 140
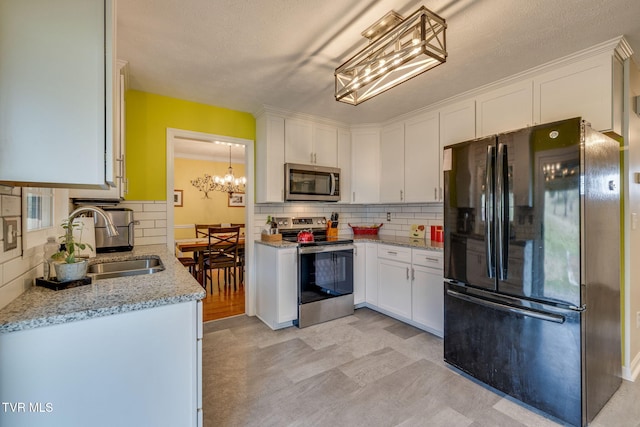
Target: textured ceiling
243, 54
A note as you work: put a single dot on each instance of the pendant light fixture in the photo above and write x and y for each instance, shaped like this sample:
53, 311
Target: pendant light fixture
227, 183
398, 50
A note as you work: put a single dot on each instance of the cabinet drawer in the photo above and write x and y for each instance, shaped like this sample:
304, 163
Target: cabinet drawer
425, 258
396, 253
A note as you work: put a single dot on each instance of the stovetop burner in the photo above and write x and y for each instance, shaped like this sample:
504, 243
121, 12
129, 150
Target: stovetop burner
289, 227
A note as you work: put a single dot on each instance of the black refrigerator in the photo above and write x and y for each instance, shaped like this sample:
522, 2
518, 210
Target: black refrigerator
532, 265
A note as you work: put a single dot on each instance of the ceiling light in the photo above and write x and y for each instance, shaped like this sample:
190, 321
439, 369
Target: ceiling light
398, 50
228, 183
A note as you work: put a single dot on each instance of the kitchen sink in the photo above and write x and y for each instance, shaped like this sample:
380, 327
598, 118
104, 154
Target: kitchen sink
128, 267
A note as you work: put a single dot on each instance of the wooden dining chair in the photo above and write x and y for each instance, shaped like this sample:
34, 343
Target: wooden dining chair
222, 255
202, 230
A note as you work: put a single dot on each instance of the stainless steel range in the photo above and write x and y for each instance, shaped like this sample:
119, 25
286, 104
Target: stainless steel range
325, 270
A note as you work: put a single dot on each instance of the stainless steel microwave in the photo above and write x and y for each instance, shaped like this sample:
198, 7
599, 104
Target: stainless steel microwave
311, 183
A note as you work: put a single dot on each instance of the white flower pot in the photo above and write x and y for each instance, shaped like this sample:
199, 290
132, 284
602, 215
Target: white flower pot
67, 272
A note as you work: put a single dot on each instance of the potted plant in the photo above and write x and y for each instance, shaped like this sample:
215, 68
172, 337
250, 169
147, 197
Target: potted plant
68, 266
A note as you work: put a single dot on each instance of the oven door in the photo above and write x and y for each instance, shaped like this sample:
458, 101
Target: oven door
324, 272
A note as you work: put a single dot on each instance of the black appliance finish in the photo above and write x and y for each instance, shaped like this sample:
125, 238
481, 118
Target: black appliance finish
532, 302
325, 271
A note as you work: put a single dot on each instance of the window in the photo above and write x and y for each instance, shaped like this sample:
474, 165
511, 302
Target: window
39, 209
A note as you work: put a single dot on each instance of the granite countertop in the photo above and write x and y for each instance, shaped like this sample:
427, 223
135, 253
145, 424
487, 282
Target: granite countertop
388, 240
40, 306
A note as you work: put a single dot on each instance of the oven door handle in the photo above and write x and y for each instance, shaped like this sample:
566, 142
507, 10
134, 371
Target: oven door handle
325, 248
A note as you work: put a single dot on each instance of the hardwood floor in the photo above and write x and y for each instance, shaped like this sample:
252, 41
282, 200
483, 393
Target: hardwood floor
222, 303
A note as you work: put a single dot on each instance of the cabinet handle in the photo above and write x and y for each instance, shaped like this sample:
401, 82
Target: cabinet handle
354, 196
435, 193
440, 193
392, 253
431, 259
413, 274
315, 158
407, 273
401, 195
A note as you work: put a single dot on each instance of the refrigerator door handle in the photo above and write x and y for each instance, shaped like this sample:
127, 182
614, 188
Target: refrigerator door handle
488, 211
550, 317
502, 209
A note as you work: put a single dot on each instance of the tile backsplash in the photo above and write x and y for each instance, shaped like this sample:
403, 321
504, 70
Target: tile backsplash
401, 216
17, 271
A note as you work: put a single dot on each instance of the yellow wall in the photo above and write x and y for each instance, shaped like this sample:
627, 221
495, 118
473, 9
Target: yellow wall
149, 116
196, 209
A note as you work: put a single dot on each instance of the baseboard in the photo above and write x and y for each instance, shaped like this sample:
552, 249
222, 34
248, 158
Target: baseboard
631, 373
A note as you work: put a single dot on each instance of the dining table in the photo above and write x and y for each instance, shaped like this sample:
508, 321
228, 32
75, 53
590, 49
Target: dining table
199, 247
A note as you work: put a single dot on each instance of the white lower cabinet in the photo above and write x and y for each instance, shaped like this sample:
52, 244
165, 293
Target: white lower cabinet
359, 273
371, 274
427, 299
394, 287
276, 287
406, 283
139, 368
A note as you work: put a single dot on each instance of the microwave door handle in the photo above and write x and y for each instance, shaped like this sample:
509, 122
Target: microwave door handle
333, 184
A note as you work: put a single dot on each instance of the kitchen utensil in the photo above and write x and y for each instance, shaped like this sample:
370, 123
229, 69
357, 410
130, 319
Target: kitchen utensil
305, 236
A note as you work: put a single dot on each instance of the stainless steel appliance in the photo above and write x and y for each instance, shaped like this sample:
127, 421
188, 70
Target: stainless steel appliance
311, 183
532, 260
325, 271
122, 218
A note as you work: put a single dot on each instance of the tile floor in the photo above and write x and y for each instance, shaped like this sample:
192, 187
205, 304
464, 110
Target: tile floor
362, 370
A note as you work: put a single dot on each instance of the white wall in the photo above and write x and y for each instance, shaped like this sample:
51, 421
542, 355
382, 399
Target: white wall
632, 205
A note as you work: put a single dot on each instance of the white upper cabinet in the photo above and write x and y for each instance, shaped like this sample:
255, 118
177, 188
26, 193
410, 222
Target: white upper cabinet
117, 189
269, 158
458, 122
365, 165
56, 108
344, 163
392, 163
590, 88
504, 109
308, 142
422, 158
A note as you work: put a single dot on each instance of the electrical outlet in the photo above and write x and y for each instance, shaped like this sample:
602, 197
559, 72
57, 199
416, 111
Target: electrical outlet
388, 216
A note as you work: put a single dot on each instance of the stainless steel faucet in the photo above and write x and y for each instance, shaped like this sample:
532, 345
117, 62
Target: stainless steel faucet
111, 229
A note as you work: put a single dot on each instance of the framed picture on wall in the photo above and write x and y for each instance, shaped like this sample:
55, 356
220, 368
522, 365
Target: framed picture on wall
236, 200
177, 198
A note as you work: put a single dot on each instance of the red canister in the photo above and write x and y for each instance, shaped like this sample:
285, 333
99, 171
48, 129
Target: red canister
437, 233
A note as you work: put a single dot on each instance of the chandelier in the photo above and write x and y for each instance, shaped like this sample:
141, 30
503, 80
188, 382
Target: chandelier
399, 49
227, 184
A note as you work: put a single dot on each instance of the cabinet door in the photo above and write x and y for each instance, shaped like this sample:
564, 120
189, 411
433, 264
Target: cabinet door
392, 163
298, 141
325, 145
422, 159
56, 81
365, 158
428, 298
371, 274
359, 273
582, 89
269, 158
505, 109
344, 163
287, 285
394, 287
458, 123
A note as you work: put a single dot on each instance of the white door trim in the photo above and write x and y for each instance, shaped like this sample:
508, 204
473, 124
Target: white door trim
250, 294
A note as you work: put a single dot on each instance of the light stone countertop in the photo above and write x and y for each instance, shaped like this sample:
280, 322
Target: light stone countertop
40, 306
388, 240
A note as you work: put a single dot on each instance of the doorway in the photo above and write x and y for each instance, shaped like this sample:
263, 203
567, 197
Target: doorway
220, 301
